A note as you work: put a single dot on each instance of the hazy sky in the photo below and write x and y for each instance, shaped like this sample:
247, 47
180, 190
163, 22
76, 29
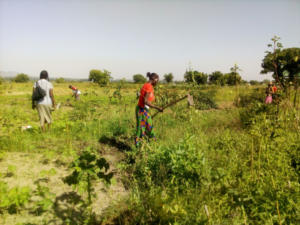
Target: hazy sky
68, 38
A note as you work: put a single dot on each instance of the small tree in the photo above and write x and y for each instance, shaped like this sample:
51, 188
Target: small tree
231, 78
254, 82
266, 81
60, 80
284, 63
21, 78
189, 74
237, 77
217, 78
168, 78
1, 80
102, 78
139, 79
244, 82
201, 78
271, 61
195, 76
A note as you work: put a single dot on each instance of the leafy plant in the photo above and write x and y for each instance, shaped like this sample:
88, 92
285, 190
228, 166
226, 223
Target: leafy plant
48, 173
87, 167
14, 198
204, 100
10, 170
46, 201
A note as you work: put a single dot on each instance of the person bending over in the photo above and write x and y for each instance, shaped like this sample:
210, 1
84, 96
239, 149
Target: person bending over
76, 93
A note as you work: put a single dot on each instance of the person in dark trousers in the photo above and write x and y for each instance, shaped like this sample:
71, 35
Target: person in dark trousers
46, 104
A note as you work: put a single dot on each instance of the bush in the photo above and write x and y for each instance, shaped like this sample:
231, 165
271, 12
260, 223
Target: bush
2, 80
21, 78
204, 100
139, 79
102, 78
247, 98
60, 80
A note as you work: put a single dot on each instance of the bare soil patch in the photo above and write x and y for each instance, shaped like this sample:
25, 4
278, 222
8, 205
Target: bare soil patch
69, 205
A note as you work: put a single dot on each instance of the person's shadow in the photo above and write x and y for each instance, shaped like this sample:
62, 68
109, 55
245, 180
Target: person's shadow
122, 143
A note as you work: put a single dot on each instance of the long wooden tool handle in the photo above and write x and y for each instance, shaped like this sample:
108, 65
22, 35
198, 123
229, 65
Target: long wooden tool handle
178, 100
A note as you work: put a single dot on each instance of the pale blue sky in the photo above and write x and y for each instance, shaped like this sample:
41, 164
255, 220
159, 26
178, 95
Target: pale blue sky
70, 37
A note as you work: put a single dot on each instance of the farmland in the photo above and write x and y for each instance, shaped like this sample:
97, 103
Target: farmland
218, 162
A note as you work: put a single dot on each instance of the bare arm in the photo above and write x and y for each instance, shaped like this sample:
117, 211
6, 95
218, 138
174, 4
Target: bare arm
52, 97
146, 102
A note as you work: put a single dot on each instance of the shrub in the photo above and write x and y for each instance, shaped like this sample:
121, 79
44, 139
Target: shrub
21, 78
204, 100
2, 80
60, 80
247, 98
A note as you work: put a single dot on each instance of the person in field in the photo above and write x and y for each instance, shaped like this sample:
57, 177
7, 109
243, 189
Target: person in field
144, 125
274, 89
269, 93
46, 104
76, 92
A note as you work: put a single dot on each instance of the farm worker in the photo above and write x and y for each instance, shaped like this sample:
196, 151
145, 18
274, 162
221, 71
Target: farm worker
274, 89
269, 93
76, 92
46, 104
143, 117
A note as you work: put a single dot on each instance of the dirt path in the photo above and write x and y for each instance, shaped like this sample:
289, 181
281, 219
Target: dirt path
69, 205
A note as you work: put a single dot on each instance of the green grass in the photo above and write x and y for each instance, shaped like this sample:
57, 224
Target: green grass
241, 164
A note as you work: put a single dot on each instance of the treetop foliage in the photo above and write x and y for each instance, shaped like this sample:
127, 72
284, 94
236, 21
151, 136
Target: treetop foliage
60, 80
139, 79
195, 76
21, 78
254, 82
102, 78
168, 78
286, 63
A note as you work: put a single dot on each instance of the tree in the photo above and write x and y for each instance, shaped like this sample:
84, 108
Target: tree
21, 78
266, 81
60, 80
232, 78
282, 65
1, 80
236, 77
195, 76
244, 82
168, 78
201, 78
139, 79
254, 82
102, 78
217, 78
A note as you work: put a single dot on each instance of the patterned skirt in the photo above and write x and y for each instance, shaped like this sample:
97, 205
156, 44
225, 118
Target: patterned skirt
144, 125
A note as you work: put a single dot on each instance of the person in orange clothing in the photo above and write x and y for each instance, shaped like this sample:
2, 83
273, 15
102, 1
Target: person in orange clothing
76, 92
143, 118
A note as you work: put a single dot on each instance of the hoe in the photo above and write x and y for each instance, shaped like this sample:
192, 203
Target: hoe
189, 99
